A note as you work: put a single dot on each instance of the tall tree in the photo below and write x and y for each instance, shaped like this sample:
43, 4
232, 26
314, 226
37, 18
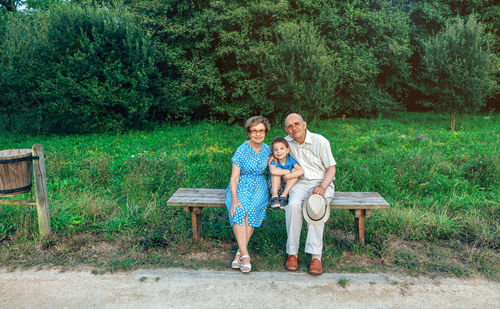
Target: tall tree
460, 68
302, 74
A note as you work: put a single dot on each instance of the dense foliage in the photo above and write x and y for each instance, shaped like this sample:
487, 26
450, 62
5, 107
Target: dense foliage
460, 69
104, 65
76, 69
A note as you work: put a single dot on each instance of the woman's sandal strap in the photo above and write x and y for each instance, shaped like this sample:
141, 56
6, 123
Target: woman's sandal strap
236, 264
245, 266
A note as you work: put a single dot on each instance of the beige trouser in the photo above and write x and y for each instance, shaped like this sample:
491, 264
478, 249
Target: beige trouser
293, 214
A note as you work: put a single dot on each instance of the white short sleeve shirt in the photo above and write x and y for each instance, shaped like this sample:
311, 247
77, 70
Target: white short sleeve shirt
314, 155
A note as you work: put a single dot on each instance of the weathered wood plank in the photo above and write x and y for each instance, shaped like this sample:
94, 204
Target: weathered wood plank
42, 197
16, 172
217, 197
361, 227
18, 202
361, 205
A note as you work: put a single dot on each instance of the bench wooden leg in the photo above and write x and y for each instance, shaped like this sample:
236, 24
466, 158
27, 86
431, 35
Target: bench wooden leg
195, 220
361, 227
359, 224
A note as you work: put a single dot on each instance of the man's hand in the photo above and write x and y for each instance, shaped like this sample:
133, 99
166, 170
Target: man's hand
329, 177
318, 190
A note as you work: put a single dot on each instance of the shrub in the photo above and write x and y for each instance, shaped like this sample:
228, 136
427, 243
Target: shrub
302, 73
19, 71
78, 69
372, 45
460, 69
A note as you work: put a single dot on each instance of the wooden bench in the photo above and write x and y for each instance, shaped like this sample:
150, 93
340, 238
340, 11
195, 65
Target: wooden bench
361, 205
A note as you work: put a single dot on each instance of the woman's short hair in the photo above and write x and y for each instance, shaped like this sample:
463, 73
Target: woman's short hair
255, 120
280, 139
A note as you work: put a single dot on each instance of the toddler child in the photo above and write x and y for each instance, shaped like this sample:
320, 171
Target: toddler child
284, 172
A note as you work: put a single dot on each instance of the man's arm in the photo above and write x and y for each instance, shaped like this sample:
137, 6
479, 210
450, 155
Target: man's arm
329, 177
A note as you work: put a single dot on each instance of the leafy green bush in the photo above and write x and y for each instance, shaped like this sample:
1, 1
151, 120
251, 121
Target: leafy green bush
78, 69
236, 58
460, 69
302, 74
93, 66
19, 71
372, 44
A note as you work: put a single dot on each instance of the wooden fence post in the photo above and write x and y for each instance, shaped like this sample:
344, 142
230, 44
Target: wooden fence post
42, 196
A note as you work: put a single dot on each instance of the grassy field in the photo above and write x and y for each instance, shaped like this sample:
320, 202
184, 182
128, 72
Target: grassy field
108, 193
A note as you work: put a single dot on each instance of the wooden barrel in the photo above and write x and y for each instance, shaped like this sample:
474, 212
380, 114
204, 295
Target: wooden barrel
16, 170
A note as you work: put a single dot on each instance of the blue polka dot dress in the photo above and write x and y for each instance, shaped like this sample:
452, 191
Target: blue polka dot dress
253, 194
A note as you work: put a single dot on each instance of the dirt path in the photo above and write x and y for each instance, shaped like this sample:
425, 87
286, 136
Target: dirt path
163, 288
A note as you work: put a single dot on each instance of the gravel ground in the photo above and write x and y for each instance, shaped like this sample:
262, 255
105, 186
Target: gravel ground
165, 288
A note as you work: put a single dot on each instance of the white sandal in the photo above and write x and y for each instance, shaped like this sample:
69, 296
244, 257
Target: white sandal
245, 268
236, 264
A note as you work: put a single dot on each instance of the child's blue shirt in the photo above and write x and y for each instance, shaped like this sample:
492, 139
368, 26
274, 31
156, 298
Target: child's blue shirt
289, 165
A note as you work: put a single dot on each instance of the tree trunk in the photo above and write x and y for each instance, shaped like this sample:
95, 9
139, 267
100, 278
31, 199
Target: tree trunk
453, 118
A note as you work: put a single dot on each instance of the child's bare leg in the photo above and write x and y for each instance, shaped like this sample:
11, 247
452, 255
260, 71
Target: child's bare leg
275, 183
289, 185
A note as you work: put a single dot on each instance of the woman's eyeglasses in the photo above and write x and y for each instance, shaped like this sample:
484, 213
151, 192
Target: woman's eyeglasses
255, 132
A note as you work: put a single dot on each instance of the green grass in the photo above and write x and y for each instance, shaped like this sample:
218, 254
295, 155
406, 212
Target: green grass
343, 282
111, 190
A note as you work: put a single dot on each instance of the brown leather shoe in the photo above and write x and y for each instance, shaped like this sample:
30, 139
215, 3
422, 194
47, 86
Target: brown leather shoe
316, 267
292, 263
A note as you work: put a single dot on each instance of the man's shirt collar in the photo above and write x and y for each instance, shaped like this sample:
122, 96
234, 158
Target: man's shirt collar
308, 139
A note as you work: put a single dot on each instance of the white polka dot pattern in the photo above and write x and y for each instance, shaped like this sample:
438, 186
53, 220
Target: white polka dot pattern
253, 194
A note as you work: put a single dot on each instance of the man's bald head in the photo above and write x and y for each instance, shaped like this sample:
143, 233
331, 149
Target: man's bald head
293, 115
296, 127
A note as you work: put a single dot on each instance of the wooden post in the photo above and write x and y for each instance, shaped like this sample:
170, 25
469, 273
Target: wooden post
359, 224
196, 221
42, 196
361, 227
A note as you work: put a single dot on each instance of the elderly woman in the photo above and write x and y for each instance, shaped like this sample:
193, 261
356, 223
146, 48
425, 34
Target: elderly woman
247, 193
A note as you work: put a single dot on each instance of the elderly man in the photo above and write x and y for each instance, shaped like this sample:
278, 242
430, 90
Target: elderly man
313, 153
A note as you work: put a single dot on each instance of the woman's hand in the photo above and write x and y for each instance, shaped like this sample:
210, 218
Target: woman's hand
235, 178
234, 204
271, 159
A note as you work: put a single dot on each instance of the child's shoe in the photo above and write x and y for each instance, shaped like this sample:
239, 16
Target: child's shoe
275, 202
283, 201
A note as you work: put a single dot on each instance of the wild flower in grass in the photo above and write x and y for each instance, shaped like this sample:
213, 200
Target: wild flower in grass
422, 137
215, 149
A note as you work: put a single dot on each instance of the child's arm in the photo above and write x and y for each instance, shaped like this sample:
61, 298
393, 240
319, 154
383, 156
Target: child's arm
296, 172
276, 171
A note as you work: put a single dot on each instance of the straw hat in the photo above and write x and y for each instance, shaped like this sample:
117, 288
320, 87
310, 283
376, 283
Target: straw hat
316, 209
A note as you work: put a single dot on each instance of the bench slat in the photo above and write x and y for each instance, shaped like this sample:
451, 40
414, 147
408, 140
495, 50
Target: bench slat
361, 205
216, 198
